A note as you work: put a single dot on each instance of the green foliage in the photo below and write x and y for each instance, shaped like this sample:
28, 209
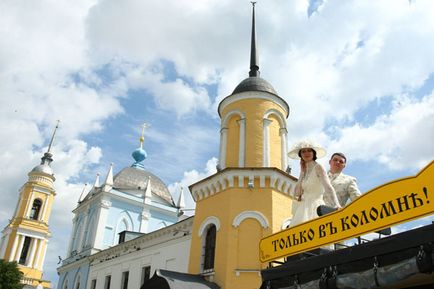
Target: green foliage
10, 275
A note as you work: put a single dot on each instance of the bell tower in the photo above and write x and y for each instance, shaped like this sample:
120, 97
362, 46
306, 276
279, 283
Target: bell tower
248, 198
26, 237
253, 121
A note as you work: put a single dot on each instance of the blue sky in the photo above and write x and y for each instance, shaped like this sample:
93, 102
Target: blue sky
358, 77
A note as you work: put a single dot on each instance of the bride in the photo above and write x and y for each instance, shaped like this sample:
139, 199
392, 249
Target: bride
312, 183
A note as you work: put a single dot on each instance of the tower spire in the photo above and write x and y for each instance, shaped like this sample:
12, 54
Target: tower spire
254, 62
47, 158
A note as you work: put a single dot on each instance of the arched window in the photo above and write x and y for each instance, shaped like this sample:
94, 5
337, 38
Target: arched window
65, 283
36, 208
124, 223
210, 241
77, 283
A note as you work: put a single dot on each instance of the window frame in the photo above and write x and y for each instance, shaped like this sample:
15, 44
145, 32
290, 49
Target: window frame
124, 279
144, 273
209, 249
35, 209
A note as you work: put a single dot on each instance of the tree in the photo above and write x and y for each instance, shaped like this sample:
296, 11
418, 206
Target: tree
10, 275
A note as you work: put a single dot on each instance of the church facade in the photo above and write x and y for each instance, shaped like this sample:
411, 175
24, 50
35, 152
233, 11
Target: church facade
134, 201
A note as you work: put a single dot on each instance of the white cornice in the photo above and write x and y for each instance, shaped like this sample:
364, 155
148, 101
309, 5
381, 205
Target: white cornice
277, 180
251, 215
34, 234
253, 95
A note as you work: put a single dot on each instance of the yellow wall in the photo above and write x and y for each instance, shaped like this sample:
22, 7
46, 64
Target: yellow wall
254, 110
227, 205
234, 139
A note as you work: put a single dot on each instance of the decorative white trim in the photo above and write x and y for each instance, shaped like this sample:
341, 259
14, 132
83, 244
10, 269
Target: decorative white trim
223, 147
20, 248
279, 116
90, 228
286, 223
14, 247
106, 204
278, 180
255, 95
208, 221
30, 204
283, 135
31, 259
224, 136
77, 280
44, 209
125, 218
238, 271
251, 215
41, 179
242, 148
266, 142
226, 118
44, 254
65, 283
42, 190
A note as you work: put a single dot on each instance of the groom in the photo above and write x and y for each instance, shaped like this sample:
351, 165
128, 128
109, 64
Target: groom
344, 185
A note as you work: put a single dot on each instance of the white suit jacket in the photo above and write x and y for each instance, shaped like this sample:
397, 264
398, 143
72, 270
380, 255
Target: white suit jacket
345, 187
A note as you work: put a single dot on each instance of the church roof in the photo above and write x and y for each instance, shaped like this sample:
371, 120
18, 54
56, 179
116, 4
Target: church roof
42, 168
134, 178
254, 83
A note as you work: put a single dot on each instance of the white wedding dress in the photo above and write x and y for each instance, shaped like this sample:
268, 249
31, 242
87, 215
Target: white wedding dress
312, 185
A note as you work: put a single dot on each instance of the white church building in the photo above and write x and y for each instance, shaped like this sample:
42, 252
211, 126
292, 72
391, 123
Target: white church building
107, 222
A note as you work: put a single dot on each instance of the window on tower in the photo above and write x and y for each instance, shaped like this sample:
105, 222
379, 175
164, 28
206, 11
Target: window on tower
210, 241
25, 250
36, 208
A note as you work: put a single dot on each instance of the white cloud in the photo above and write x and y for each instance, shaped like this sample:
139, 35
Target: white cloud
54, 59
401, 140
189, 178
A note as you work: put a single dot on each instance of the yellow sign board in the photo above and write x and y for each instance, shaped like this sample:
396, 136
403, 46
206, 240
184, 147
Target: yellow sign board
390, 204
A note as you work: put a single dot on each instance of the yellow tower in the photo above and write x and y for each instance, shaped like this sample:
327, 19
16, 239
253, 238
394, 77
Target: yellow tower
25, 239
248, 198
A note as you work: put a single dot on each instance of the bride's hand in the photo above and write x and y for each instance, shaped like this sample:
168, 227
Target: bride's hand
298, 196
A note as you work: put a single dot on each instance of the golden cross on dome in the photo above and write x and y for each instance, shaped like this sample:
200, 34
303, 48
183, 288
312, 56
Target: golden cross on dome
142, 138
